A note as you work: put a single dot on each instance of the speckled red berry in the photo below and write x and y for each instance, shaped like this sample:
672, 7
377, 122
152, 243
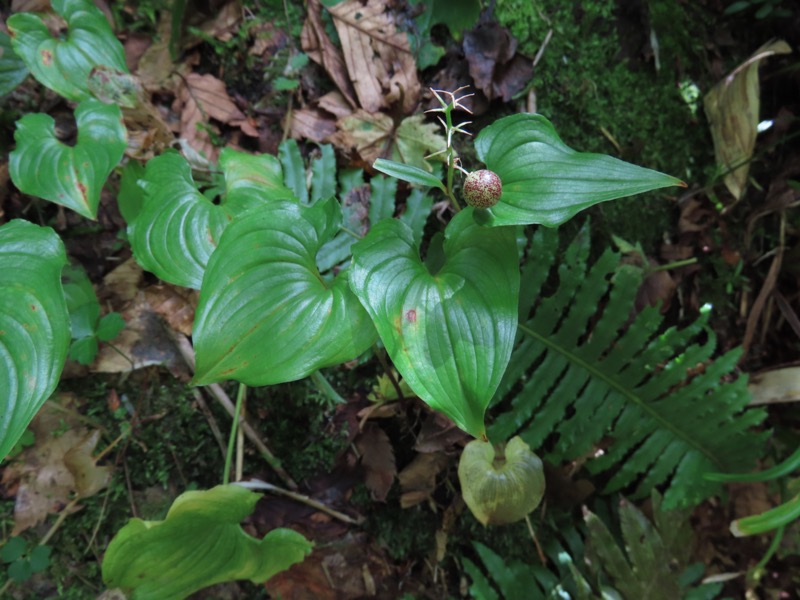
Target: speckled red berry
482, 189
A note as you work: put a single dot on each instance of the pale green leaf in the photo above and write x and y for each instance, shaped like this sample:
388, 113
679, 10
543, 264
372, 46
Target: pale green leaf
199, 544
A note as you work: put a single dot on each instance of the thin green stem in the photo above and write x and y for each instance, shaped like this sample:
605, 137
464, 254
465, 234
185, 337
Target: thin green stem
784, 468
226, 473
324, 386
674, 265
351, 232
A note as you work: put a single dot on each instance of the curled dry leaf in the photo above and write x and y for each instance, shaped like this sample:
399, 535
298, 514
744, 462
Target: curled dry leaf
176, 305
775, 386
43, 477
378, 57
496, 68
377, 458
89, 478
319, 47
732, 108
418, 479
205, 97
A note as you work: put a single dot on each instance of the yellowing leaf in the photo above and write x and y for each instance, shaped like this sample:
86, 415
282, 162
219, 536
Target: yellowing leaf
374, 136
732, 110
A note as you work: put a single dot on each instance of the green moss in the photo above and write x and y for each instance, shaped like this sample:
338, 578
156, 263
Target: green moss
602, 101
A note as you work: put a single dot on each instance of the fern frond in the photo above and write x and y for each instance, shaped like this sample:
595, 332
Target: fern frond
584, 372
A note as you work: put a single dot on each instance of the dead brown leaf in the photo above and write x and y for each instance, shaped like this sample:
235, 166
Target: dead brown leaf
205, 97
225, 22
155, 67
123, 282
371, 136
176, 305
377, 458
312, 124
438, 433
378, 57
496, 68
418, 479
336, 571
732, 108
41, 478
319, 47
775, 386
145, 340
89, 478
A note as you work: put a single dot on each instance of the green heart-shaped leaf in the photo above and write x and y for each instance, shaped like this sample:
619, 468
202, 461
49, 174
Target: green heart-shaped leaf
73, 176
199, 544
265, 315
449, 332
500, 489
177, 228
34, 324
12, 70
64, 65
545, 181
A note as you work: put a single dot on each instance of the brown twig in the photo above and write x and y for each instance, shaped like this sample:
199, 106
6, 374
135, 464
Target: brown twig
255, 484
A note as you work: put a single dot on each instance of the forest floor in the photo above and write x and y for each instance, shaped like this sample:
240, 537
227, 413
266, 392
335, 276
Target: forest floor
620, 77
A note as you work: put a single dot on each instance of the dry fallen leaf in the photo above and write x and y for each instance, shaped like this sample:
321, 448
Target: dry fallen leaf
778, 385
155, 67
319, 47
377, 458
123, 282
312, 124
497, 70
176, 305
378, 57
732, 108
89, 478
40, 477
418, 479
205, 97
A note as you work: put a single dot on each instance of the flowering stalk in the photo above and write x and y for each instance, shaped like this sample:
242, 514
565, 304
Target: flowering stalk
447, 108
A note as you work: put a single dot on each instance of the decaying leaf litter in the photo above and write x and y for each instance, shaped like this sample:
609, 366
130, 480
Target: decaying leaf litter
363, 92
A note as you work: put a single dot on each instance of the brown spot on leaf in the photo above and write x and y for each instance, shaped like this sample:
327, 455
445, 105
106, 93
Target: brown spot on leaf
411, 316
47, 58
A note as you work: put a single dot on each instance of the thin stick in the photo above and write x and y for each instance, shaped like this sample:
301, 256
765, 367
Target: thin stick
212, 422
256, 484
240, 443
542, 557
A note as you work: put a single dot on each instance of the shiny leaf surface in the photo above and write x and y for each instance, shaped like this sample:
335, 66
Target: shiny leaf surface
265, 315
448, 332
546, 182
34, 324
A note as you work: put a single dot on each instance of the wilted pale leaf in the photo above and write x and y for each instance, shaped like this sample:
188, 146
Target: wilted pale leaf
374, 136
732, 109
